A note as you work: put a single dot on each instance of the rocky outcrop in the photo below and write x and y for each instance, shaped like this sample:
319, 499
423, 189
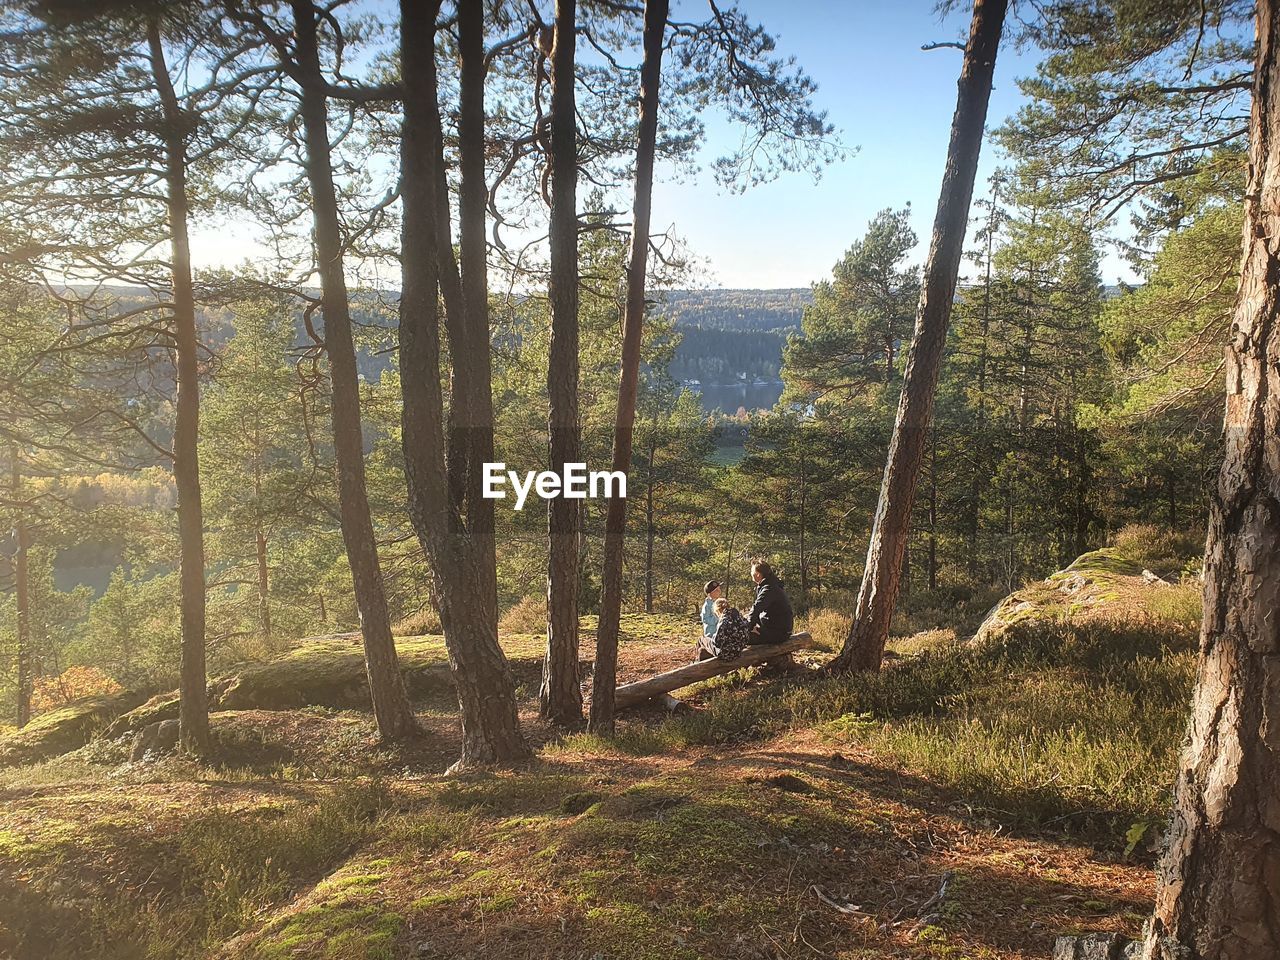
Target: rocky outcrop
1091, 581
62, 730
155, 740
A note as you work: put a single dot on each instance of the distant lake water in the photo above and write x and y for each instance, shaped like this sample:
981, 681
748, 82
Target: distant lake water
728, 397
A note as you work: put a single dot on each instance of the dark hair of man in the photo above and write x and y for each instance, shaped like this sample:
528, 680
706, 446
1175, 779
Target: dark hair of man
766, 571
712, 586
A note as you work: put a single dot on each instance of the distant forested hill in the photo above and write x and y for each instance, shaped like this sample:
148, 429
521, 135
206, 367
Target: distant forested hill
739, 309
731, 346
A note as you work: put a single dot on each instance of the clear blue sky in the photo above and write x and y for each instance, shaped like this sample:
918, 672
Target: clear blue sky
888, 98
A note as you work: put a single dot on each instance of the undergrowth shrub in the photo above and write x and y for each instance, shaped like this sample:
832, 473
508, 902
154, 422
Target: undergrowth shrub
1180, 603
50, 693
417, 624
828, 627
1163, 551
527, 616
923, 642
959, 608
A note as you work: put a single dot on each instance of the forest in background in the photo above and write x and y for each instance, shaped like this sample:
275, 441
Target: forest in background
1066, 411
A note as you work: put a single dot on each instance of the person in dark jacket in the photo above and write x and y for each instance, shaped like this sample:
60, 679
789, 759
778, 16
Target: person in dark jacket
771, 618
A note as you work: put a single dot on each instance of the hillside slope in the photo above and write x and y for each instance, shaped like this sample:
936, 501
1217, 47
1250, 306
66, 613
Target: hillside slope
966, 802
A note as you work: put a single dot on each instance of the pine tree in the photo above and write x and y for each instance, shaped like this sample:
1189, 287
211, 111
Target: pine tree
864, 647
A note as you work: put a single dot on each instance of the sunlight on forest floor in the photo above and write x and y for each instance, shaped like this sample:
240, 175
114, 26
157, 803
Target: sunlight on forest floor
1032, 772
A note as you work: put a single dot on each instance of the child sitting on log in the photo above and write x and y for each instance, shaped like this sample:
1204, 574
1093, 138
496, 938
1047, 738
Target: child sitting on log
732, 632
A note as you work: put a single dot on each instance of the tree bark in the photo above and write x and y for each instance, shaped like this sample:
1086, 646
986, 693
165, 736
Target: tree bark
864, 647
391, 708
1218, 893
1083, 484
649, 532
606, 671
461, 549
193, 709
560, 698
471, 358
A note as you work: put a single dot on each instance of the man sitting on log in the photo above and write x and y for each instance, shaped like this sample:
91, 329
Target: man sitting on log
770, 618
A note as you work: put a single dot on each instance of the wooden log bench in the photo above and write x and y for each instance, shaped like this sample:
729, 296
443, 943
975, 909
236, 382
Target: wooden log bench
629, 694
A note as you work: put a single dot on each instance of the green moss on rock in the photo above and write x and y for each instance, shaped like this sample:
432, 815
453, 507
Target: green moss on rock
62, 730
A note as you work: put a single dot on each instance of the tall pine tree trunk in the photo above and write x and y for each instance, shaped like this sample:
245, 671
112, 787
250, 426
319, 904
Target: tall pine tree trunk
472, 356
864, 647
461, 548
1218, 896
193, 710
1083, 484
650, 533
560, 697
391, 708
606, 670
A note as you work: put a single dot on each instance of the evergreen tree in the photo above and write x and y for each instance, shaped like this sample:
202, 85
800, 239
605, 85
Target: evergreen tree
858, 320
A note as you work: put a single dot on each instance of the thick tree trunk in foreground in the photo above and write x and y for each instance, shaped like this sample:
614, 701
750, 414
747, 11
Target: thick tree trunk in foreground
1218, 896
391, 707
461, 552
22, 595
193, 710
606, 671
561, 696
864, 647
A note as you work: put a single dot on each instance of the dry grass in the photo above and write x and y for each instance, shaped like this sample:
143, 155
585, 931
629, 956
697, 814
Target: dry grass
829, 628
417, 624
527, 616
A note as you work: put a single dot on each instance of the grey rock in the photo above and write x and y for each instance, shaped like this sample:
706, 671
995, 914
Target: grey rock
155, 740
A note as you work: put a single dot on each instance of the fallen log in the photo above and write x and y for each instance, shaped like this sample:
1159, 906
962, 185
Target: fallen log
629, 694
671, 703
